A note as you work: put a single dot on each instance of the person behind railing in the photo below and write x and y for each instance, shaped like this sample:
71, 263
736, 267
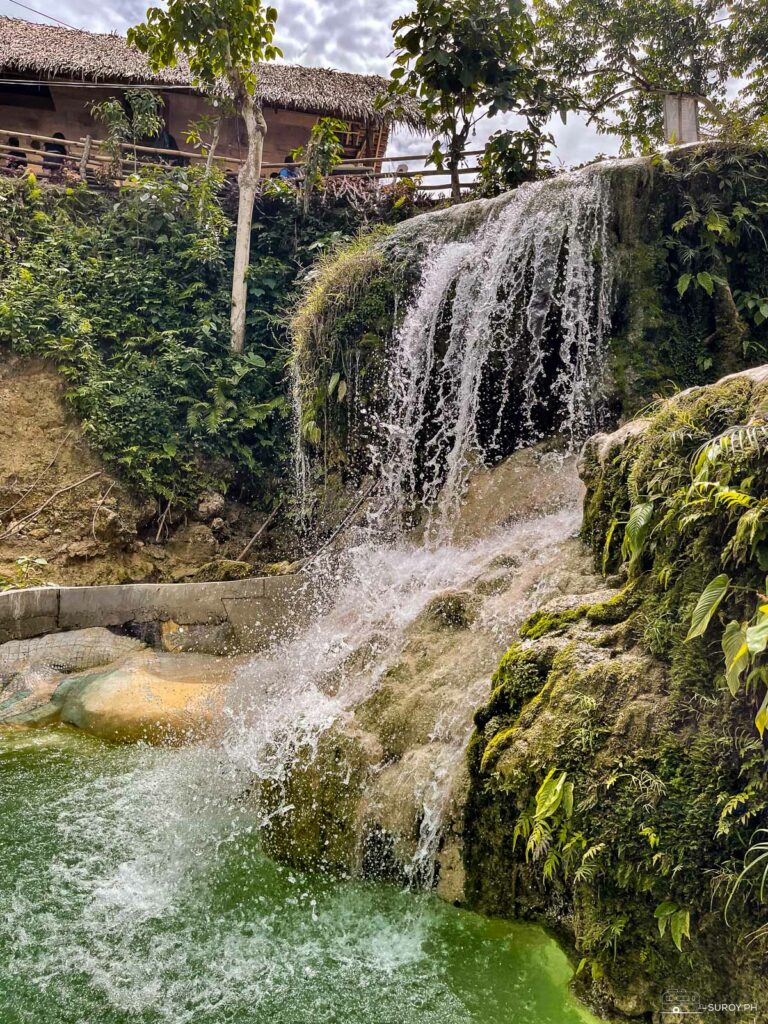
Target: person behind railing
13, 161
55, 156
289, 172
163, 140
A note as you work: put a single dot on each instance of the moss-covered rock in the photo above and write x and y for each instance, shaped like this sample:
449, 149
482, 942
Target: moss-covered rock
661, 769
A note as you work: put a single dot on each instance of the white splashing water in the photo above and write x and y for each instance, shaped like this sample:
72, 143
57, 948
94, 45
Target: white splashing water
536, 271
501, 283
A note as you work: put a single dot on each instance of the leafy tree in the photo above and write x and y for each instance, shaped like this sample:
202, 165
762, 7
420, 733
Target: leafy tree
323, 152
511, 158
222, 40
130, 122
618, 58
464, 60
748, 39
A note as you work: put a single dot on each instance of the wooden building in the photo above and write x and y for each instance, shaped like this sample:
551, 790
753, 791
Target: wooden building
50, 76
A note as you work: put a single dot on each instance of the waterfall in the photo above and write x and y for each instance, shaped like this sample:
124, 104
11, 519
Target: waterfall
501, 342
341, 746
504, 339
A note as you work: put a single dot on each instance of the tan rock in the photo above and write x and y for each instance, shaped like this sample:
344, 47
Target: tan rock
158, 698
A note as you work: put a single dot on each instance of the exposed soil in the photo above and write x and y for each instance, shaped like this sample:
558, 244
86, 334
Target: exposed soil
97, 532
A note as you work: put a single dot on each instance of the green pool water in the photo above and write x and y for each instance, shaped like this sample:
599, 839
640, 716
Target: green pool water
132, 891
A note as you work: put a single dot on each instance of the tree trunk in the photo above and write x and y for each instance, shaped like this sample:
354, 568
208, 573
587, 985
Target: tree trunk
455, 181
248, 179
212, 148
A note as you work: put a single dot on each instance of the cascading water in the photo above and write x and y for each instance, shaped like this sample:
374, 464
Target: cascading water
341, 747
504, 339
501, 341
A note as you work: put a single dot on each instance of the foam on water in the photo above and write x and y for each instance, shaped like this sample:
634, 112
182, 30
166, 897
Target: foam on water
134, 891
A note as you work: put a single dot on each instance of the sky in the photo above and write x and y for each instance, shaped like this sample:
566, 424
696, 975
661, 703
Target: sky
349, 35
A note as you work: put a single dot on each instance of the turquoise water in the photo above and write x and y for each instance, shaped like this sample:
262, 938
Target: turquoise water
132, 891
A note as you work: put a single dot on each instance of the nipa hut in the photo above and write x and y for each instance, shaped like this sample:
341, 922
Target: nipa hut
50, 76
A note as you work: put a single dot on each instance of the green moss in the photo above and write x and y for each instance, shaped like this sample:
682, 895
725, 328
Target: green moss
668, 771
543, 622
519, 676
616, 609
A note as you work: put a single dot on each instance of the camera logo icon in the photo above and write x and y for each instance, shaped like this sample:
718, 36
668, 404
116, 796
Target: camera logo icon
678, 1003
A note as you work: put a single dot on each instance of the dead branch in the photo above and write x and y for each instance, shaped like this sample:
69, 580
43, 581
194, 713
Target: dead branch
261, 529
163, 519
99, 508
33, 515
33, 487
342, 525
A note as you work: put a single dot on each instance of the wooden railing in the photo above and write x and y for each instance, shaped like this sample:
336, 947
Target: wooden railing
92, 161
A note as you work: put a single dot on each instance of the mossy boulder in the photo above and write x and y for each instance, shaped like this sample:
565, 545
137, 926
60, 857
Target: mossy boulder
661, 770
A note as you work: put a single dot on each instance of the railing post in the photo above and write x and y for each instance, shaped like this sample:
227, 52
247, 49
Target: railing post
85, 157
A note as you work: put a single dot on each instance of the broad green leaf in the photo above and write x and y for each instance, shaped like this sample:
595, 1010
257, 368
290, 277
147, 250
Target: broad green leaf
704, 280
332, 383
342, 391
665, 909
680, 925
550, 795
757, 635
663, 913
736, 654
707, 605
682, 284
761, 719
636, 530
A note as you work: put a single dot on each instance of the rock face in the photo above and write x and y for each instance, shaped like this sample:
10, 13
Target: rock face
158, 698
383, 792
111, 687
615, 781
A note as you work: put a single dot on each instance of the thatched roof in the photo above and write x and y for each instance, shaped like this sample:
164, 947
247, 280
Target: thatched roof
48, 51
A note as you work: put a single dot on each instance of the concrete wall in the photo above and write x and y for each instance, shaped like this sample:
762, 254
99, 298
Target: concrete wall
215, 618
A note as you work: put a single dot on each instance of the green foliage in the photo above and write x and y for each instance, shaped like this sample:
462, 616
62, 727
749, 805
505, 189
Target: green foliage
220, 39
511, 158
678, 919
85, 282
648, 708
707, 605
323, 152
618, 62
26, 572
130, 122
463, 60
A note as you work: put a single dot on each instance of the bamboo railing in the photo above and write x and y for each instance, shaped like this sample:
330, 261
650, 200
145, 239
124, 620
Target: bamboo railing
92, 160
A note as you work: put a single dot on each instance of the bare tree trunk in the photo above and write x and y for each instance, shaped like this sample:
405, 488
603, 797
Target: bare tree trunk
455, 181
212, 148
248, 179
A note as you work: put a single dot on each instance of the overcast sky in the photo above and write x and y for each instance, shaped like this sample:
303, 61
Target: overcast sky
351, 35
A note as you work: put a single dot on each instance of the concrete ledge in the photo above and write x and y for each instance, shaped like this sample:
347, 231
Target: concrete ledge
246, 613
